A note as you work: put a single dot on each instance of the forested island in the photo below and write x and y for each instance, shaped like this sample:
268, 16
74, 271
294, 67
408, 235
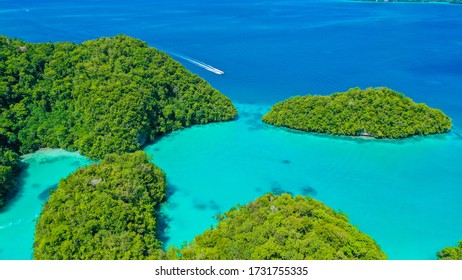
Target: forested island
104, 211
110, 95
106, 98
109, 211
414, 1
374, 112
281, 227
451, 253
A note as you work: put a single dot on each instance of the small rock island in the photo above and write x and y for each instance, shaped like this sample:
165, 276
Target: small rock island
373, 112
281, 227
106, 211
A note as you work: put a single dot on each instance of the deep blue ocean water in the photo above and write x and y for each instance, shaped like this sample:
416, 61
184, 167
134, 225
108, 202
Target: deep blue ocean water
405, 194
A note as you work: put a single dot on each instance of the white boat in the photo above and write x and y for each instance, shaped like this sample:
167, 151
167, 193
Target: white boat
206, 66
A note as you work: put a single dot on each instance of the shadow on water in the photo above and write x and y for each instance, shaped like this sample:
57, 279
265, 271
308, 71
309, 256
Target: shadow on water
308, 191
162, 227
18, 189
43, 196
363, 139
172, 205
76, 163
254, 125
211, 204
252, 120
49, 160
200, 206
286, 161
244, 115
214, 206
277, 189
170, 191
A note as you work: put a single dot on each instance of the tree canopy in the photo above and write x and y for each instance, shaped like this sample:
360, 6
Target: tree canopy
376, 112
104, 211
9, 161
451, 253
281, 227
109, 95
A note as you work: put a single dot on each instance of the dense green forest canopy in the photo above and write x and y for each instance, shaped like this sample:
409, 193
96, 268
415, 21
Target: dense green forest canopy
376, 112
451, 253
109, 95
281, 227
9, 161
104, 211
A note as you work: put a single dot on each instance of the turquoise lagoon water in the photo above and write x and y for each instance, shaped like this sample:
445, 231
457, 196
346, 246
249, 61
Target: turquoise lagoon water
405, 194
17, 221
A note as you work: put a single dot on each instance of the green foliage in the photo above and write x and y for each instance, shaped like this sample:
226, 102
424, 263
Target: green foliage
281, 227
8, 169
104, 211
110, 95
451, 253
19, 69
379, 112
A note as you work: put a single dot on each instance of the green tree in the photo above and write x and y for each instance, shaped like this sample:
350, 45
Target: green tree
104, 211
110, 95
451, 253
374, 112
281, 227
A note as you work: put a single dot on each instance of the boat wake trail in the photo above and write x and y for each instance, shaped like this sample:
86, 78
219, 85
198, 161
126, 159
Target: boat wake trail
199, 63
11, 224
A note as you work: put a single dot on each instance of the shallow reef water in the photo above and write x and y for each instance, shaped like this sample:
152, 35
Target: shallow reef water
403, 193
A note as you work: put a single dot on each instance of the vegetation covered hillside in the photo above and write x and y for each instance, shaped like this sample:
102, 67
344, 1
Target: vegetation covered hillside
451, 253
281, 227
9, 161
109, 95
376, 112
104, 211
